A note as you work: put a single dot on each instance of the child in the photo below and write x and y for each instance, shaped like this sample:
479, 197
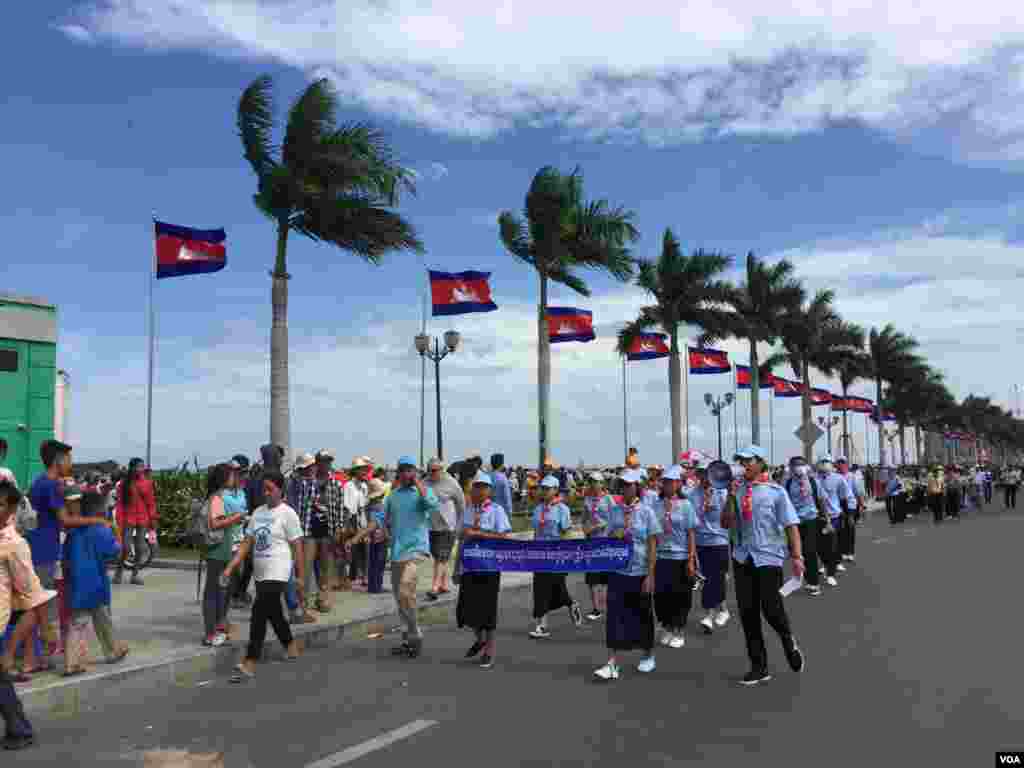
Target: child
86, 553
19, 589
377, 491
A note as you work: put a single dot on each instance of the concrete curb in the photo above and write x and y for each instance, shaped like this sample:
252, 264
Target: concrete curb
189, 666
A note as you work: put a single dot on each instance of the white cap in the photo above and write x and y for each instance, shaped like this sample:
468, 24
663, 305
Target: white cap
549, 482
596, 477
631, 476
482, 478
675, 472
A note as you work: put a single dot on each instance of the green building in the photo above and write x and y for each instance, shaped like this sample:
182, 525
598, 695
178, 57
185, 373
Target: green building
28, 381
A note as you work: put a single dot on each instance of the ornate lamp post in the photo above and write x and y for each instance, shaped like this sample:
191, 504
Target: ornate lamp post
717, 406
437, 354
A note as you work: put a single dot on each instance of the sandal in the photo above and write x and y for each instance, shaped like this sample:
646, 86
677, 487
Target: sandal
241, 675
20, 678
74, 672
119, 656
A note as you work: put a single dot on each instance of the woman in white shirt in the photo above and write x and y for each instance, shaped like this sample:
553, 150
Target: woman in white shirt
274, 536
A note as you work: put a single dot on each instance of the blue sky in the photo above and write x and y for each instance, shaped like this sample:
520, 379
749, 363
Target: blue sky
884, 160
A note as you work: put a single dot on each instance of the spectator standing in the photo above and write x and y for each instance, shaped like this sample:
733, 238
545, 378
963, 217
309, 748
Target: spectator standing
451, 505
376, 534
355, 516
326, 525
224, 521
136, 515
299, 497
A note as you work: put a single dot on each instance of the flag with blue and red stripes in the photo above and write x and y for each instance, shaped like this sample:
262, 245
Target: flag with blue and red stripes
570, 324
460, 293
187, 251
709, 361
767, 381
648, 346
786, 388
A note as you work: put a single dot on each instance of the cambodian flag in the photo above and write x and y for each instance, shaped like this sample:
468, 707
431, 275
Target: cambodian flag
460, 293
709, 361
840, 403
886, 415
861, 405
787, 388
648, 346
820, 397
743, 379
186, 251
570, 324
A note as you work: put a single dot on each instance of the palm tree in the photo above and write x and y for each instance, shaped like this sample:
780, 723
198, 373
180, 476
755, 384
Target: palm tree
332, 184
558, 233
686, 291
902, 397
890, 351
760, 308
851, 364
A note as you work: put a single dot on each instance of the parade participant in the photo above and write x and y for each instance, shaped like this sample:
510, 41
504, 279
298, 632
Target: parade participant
596, 505
834, 493
712, 549
988, 484
226, 522
676, 565
478, 591
893, 491
551, 521
937, 493
630, 618
762, 521
803, 493
451, 503
274, 536
376, 533
954, 487
847, 537
649, 491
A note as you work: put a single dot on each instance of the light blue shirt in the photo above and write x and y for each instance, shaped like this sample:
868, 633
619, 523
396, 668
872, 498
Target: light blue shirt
710, 532
408, 516
235, 504
833, 488
493, 518
595, 514
803, 501
763, 538
643, 524
674, 542
556, 521
894, 486
502, 490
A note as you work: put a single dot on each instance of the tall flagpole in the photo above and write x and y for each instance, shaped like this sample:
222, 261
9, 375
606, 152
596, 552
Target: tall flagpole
771, 421
152, 348
625, 412
423, 380
735, 417
686, 400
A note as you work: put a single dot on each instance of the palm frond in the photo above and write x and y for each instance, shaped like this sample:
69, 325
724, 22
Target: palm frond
568, 279
515, 238
629, 334
310, 120
358, 225
256, 123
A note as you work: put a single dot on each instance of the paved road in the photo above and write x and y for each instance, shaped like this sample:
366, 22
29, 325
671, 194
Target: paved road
917, 656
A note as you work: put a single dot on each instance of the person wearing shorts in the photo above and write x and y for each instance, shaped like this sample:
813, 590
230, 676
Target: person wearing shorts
451, 506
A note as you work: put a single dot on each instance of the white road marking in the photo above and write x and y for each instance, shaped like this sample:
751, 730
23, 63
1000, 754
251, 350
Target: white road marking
372, 745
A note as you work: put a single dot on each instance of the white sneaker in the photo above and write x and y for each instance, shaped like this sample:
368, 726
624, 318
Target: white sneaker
708, 623
677, 641
723, 617
219, 639
540, 633
847, 557
851, 558
831, 581
841, 568
646, 665
813, 591
607, 672
665, 637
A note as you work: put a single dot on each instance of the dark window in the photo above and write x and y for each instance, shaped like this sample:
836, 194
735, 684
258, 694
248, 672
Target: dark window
8, 361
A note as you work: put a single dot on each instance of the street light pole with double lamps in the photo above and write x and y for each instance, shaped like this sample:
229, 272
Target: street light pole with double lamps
717, 406
437, 354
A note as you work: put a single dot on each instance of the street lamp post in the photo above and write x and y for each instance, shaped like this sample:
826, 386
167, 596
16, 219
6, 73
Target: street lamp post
437, 354
717, 406
827, 422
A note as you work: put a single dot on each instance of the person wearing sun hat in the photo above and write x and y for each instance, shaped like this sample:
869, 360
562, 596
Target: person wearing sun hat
375, 534
451, 505
355, 515
676, 566
596, 504
835, 495
551, 520
629, 623
712, 549
762, 522
477, 607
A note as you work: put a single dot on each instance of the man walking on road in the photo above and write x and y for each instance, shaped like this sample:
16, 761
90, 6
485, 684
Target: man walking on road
444, 523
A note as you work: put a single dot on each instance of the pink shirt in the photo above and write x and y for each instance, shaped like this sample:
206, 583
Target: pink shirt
20, 589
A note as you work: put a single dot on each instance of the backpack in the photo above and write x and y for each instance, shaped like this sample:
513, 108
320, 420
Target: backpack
199, 525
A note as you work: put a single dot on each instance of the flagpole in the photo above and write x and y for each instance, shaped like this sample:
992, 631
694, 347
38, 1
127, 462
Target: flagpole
152, 348
423, 378
771, 421
686, 401
735, 417
625, 412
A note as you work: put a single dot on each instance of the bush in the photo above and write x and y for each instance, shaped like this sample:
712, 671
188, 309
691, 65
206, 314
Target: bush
175, 491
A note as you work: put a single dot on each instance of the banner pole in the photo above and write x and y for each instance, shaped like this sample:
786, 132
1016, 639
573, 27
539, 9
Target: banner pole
423, 378
152, 348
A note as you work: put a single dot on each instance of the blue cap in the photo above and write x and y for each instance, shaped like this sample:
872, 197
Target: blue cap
675, 472
750, 452
406, 461
549, 482
482, 478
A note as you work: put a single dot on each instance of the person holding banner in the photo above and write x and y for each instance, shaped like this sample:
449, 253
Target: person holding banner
676, 565
478, 592
712, 549
551, 520
630, 622
762, 520
596, 504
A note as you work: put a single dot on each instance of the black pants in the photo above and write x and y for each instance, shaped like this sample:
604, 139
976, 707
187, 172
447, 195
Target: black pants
809, 544
242, 579
828, 547
936, 501
847, 533
673, 594
1011, 497
267, 608
11, 710
988, 493
890, 508
953, 503
757, 592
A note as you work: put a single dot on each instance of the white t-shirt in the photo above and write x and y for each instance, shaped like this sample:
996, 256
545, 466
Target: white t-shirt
272, 531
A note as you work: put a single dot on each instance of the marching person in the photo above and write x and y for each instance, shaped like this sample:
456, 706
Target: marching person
954, 487
762, 520
851, 514
803, 493
355, 518
712, 549
478, 592
451, 507
551, 521
937, 492
834, 494
596, 504
676, 565
630, 618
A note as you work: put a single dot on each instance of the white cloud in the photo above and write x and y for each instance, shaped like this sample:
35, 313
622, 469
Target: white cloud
662, 73
76, 32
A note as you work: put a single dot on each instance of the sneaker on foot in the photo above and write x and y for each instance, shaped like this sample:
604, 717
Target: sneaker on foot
841, 568
607, 672
474, 649
795, 657
577, 614
723, 617
646, 664
540, 633
832, 581
594, 615
665, 637
755, 677
218, 639
486, 662
813, 591
677, 641
708, 623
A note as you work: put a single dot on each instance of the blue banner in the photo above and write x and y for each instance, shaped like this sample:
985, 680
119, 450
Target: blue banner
550, 556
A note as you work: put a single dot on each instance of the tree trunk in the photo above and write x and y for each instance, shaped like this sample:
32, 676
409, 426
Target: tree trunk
881, 423
280, 407
805, 410
543, 372
845, 450
903, 441
676, 395
917, 444
755, 396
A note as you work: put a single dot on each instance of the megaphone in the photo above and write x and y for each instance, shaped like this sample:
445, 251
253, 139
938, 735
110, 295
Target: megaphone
719, 475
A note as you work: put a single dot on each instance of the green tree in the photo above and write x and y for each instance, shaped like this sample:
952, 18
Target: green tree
333, 184
891, 352
558, 233
850, 363
687, 291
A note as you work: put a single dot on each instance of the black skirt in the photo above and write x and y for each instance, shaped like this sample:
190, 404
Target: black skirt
630, 619
549, 593
478, 601
673, 593
596, 578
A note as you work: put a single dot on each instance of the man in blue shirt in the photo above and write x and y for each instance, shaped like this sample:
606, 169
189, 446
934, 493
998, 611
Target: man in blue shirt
764, 525
407, 511
835, 492
502, 489
803, 493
